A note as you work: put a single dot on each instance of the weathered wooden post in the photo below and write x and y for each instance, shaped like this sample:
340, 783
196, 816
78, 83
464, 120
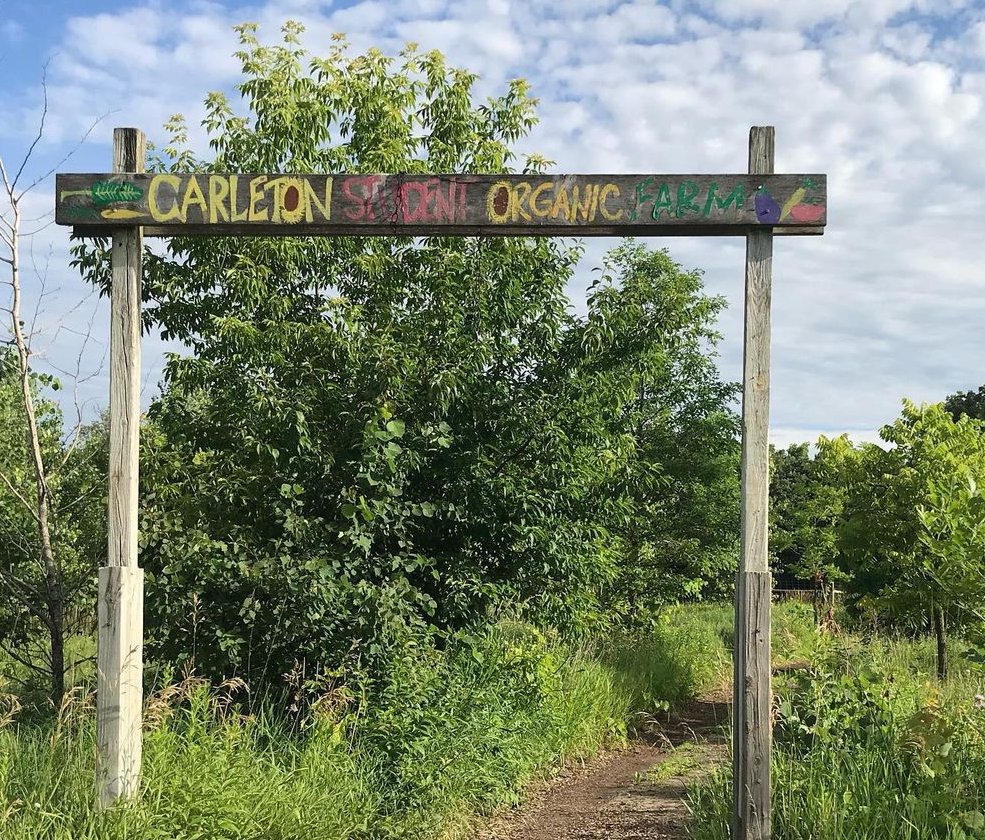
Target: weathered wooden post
119, 690
752, 691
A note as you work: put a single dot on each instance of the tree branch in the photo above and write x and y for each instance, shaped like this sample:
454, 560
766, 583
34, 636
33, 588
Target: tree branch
20, 498
39, 135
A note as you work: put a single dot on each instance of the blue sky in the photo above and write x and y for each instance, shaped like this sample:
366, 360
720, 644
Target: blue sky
886, 96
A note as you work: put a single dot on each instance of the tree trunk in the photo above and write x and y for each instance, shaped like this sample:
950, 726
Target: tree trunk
938, 618
54, 595
57, 632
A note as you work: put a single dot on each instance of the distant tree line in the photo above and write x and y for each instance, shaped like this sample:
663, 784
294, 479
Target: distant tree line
899, 526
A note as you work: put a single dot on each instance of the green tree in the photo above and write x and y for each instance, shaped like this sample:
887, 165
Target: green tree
914, 526
971, 403
39, 553
806, 499
377, 436
41, 599
679, 539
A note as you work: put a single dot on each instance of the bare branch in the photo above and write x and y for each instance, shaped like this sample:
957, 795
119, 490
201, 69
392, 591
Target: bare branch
27, 663
39, 135
78, 499
6, 185
20, 498
38, 230
43, 278
70, 448
68, 154
29, 601
47, 607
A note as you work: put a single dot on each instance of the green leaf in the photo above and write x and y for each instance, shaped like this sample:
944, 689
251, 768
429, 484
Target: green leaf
975, 820
110, 192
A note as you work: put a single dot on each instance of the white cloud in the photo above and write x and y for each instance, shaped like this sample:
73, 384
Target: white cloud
783, 437
883, 95
12, 30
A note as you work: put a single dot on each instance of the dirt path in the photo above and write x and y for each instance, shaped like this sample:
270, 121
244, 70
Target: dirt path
631, 794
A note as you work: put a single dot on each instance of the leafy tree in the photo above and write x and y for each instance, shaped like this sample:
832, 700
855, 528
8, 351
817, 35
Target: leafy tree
971, 403
382, 436
914, 530
680, 538
806, 498
42, 601
41, 542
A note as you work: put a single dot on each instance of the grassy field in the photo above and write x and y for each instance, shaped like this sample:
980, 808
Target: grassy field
868, 746
449, 736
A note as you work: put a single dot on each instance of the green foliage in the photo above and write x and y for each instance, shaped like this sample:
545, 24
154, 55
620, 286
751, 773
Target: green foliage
376, 439
448, 735
111, 192
76, 479
680, 538
971, 403
682, 655
866, 748
914, 525
806, 499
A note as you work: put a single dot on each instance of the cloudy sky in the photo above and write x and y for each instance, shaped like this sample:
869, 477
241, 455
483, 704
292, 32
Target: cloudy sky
885, 96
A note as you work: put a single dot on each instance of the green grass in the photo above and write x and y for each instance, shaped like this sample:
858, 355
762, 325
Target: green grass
32, 690
444, 737
682, 656
447, 736
868, 746
680, 761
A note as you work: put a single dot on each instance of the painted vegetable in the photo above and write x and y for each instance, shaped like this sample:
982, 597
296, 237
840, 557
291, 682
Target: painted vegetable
807, 212
797, 197
767, 210
121, 213
792, 202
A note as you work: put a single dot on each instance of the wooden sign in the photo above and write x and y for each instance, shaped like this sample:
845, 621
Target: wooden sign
129, 204
442, 205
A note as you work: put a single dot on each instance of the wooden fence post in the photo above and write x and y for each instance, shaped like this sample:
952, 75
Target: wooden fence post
752, 692
119, 689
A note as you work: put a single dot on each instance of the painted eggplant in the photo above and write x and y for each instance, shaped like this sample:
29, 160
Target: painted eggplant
767, 210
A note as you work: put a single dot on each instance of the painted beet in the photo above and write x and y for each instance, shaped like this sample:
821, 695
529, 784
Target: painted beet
807, 212
767, 210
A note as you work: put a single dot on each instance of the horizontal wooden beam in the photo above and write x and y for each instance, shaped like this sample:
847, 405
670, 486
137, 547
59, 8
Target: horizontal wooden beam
192, 204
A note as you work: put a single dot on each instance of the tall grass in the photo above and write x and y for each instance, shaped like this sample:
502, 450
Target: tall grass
868, 747
448, 735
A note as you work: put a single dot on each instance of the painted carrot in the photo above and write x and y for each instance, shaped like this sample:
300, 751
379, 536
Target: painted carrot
792, 202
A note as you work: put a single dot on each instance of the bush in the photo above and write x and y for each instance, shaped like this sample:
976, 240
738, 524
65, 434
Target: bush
413, 751
865, 747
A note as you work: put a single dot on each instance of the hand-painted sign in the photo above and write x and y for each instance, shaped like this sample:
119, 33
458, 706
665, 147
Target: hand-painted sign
421, 205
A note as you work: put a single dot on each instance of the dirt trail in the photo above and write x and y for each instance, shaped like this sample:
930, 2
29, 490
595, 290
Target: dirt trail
631, 794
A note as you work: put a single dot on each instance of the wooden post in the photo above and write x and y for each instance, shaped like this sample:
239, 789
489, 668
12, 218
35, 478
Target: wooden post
752, 692
119, 690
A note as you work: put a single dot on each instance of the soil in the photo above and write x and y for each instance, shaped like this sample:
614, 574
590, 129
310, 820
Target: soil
625, 795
